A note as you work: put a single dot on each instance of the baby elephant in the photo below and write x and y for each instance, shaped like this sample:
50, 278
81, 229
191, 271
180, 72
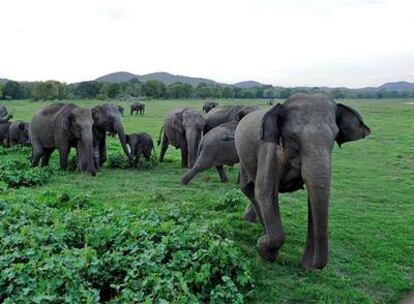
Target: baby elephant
19, 133
217, 148
140, 144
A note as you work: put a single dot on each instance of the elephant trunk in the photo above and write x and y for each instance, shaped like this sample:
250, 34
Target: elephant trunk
193, 138
85, 154
119, 129
316, 173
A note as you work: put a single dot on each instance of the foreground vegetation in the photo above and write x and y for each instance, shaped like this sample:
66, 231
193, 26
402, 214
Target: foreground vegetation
70, 237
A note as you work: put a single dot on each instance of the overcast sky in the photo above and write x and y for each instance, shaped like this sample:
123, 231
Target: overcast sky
351, 43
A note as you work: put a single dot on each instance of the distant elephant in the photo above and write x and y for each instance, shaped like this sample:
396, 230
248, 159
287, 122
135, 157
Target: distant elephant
19, 133
138, 107
270, 102
121, 110
4, 114
140, 144
4, 133
281, 150
216, 150
208, 105
183, 129
63, 126
106, 118
220, 115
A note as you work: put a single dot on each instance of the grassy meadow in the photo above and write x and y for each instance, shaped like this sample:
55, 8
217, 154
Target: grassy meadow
371, 225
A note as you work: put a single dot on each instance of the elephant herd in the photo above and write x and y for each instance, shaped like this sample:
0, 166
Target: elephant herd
283, 149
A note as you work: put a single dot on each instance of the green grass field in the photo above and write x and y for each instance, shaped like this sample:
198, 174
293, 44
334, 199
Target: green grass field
371, 209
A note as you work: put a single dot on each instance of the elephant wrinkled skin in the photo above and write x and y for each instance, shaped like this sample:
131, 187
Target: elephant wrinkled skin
285, 148
63, 126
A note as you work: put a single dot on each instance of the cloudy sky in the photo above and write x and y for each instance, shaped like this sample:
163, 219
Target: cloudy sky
351, 43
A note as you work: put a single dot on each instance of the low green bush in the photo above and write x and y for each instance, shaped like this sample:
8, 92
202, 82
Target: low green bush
93, 255
15, 174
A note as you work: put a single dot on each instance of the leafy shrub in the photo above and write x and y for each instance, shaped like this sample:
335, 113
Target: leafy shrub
231, 201
117, 160
92, 255
15, 174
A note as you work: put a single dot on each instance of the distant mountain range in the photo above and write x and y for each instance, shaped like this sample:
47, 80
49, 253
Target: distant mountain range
167, 78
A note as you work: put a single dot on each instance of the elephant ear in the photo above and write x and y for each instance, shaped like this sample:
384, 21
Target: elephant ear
178, 122
243, 112
350, 124
271, 124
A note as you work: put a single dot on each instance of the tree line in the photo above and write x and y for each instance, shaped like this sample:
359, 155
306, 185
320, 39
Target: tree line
54, 90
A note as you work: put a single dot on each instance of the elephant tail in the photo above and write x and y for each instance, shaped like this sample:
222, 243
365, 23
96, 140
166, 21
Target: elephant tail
159, 136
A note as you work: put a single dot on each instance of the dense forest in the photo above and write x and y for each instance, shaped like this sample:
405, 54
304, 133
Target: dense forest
54, 90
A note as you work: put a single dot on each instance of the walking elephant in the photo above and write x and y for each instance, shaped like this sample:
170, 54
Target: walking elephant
19, 133
140, 144
138, 107
208, 105
63, 126
4, 133
282, 150
106, 118
183, 129
220, 115
216, 150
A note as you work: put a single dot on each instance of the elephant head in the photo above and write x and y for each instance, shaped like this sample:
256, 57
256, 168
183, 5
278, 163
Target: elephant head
307, 128
24, 134
107, 118
78, 124
190, 123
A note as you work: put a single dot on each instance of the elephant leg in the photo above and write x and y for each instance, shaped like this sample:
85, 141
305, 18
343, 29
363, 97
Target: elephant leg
266, 196
164, 147
222, 174
46, 157
184, 155
197, 168
253, 210
63, 157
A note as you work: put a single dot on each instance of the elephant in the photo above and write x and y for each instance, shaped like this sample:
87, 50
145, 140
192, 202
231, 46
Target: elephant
183, 129
140, 144
285, 148
121, 110
4, 133
106, 118
19, 133
63, 126
216, 150
4, 114
138, 107
208, 105
220, 115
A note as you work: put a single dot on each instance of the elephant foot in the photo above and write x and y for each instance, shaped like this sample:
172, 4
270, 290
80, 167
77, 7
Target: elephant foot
266, 250
309, 263
184, 181
250, 217
224, 180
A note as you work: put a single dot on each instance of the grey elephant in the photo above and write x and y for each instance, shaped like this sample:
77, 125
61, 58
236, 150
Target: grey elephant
141, 144
138, 107
216, 150
19, 133
220, 115
121, 110
4, 133
183, 129
282, 150
106, 118
63, 126
4, 114
208, 105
